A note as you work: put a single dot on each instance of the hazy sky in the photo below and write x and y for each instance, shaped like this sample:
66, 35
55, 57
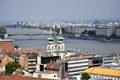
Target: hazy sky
51, 10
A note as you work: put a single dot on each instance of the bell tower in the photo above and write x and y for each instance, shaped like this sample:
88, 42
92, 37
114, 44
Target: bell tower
60, 43
50, 44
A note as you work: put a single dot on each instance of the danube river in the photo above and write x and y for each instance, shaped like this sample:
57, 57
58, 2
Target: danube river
40, 41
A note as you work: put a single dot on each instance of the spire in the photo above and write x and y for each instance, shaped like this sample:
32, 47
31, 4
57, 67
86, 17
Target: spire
60, 36
60, 33
50, 38
50, 32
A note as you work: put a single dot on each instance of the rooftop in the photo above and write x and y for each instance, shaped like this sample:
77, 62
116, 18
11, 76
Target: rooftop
103, 71
53, 66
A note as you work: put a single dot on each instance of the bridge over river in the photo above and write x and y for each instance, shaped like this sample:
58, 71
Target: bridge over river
28, 32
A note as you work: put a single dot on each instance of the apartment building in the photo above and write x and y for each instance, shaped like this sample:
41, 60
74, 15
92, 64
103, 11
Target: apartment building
6, 58
105, 31
108, 59
118, 31
28, 61
75, 64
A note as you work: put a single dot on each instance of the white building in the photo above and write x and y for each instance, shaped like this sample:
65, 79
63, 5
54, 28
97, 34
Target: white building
108, 59
105, 31
58, 48
118, 31
51, 44
75, 66
52, 76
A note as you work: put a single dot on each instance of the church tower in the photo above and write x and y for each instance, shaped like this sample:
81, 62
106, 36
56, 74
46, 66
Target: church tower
60, 43
50, 44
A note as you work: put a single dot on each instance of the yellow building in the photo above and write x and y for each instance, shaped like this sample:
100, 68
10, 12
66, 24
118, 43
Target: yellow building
103, 73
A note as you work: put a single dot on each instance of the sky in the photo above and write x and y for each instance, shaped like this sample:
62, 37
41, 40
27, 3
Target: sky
58, 10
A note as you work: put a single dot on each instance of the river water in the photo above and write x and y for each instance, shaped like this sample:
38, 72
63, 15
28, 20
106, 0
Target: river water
40, 41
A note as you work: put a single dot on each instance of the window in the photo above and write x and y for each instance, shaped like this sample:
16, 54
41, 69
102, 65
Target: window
41, 67
54, 75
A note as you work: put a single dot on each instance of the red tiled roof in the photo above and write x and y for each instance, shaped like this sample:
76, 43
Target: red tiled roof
6, 46
27, 50
20, 78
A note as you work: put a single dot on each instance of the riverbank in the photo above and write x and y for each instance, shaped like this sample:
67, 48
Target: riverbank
94, 38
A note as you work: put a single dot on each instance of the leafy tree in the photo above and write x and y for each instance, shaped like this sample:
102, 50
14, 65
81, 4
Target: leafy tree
91, 33
2, 30
11, 67
113, 36
85, 76
16, 46
84, 32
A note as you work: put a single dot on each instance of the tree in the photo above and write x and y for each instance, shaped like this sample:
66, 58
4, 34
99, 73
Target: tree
11, 67
16, 46
84, 32
91, 33
85, 76
2, 30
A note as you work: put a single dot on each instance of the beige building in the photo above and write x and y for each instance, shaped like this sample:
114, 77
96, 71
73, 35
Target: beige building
54, 68
28, 61
5, 58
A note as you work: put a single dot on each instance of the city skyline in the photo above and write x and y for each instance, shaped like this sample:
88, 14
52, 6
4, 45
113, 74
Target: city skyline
58, 10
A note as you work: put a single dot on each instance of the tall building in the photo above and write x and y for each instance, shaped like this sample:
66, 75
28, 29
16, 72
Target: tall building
118, 31
60, 43
50, 44
105, 31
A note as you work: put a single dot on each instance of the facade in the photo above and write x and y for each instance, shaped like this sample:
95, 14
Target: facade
60, 43
102, 73
28, 61
77, 63
52, 76
105, 31
5, 58
118, 31
50, 44
56, 49
75, 66
108, 59
54, 68
95, 61
78, 29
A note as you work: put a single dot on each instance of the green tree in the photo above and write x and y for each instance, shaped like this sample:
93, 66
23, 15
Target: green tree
91, 33
11, 67
16, 46
85, 76
84, 32
2, 30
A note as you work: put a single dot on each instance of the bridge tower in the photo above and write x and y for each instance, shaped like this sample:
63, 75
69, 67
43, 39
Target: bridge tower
50, 44
60, 43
